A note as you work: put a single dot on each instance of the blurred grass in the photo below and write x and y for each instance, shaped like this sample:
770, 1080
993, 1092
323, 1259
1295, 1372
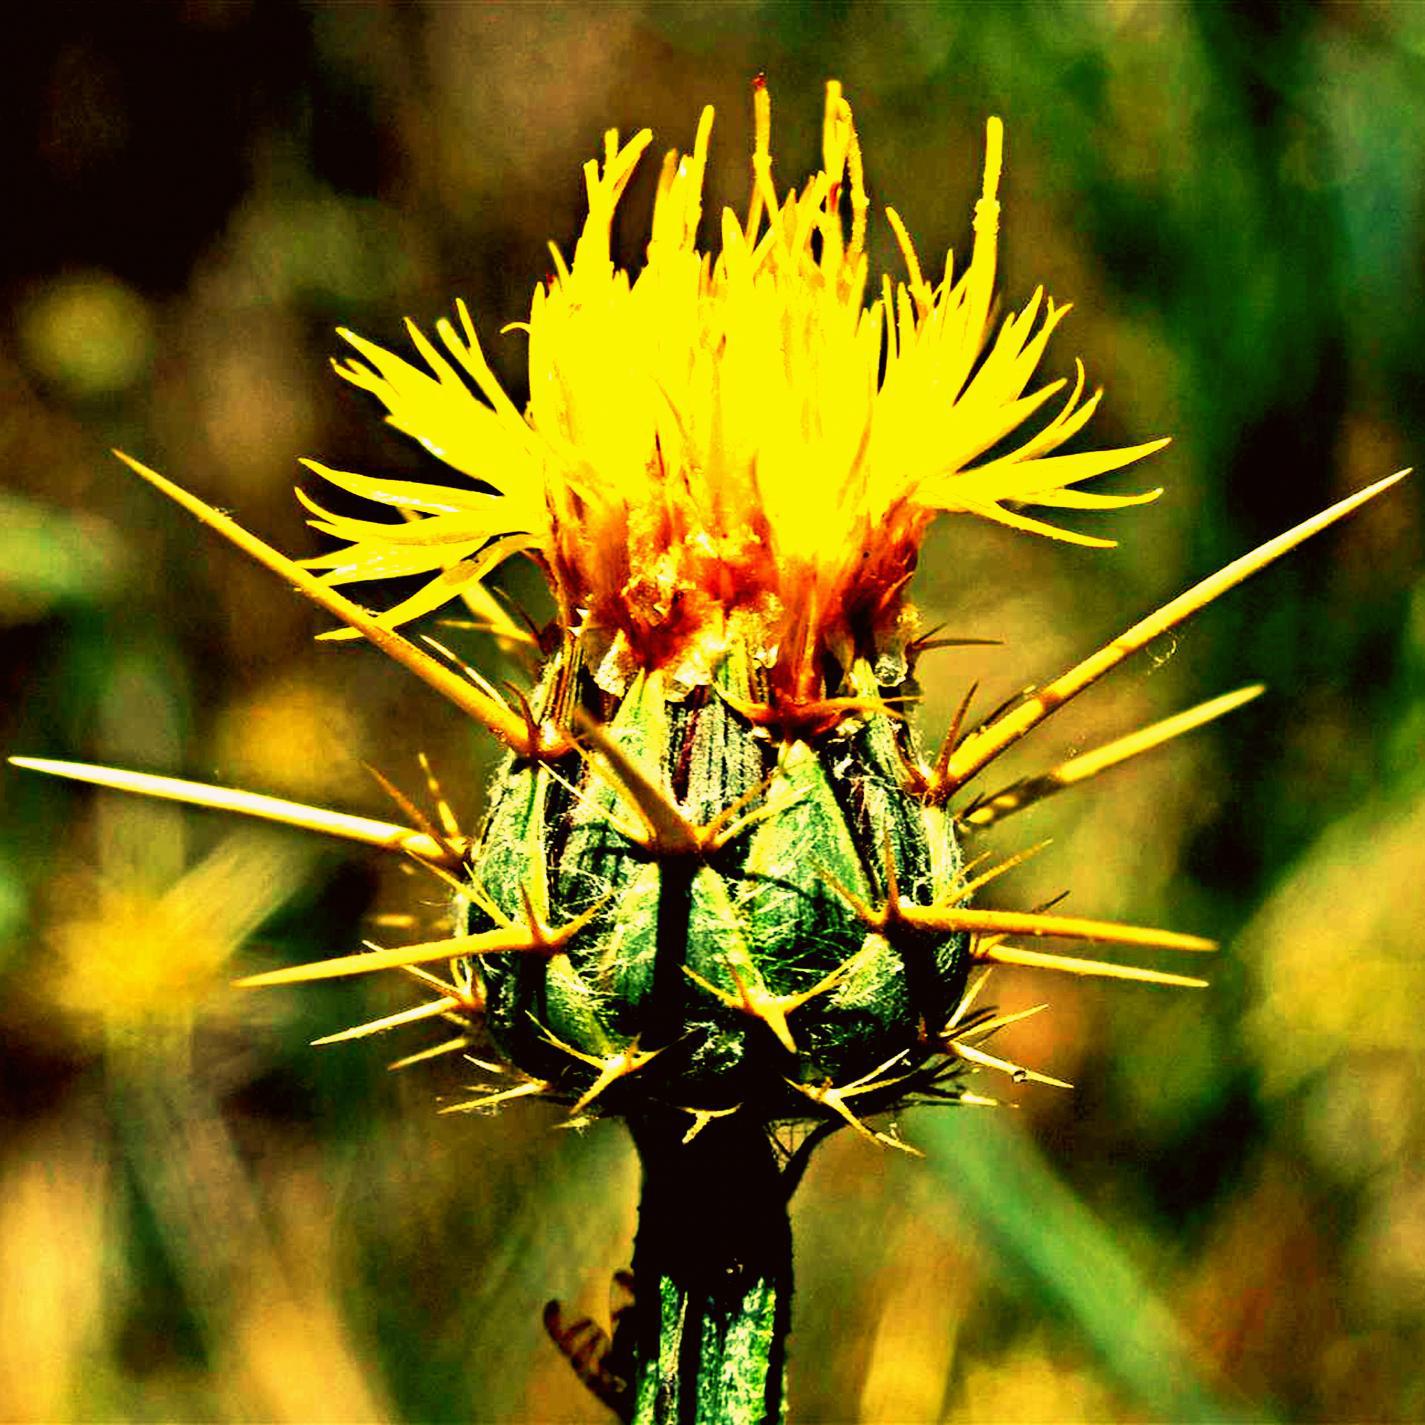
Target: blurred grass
202, 1218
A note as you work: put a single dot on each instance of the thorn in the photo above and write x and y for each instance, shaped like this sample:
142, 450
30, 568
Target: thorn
446, 879
613, 1067
526, 712
1026, 792
669, 832
473, 888
494, 1099
512, 639
361, 829
930, 784
1013, 700
985, 942
964, 891
504, 605
835, 1099
552, 942
469, 995
1020, 922
952, 734
771, 1009
722, 828
429, 1010
538, 940
975, 861
461, 666
982, 747
492, 714
926, 641
702, 1117
972, 993
1016, 1071
753, 1001
869, 1083
534, 922
876, 920
1034, 959
588, 805
985, 1028
714, 838
450, 1046
963, 817
550, 1037
828, 1097
894, 1140
630, 1061
443, 810
418, 972
929, 642
414, 813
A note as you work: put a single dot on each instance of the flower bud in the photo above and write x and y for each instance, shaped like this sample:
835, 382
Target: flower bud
732, 967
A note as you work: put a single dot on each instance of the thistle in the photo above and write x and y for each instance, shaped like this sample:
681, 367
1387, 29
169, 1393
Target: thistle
721, 891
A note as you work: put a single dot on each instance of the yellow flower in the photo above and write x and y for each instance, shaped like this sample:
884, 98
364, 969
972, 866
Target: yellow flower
137, 961
729, 445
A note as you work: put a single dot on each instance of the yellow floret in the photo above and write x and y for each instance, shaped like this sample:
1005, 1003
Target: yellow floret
733, 445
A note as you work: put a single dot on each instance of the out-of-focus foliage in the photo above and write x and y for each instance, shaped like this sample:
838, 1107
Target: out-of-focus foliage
202, 1218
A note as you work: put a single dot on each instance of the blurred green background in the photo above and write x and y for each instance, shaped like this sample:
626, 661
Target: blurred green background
201, 1218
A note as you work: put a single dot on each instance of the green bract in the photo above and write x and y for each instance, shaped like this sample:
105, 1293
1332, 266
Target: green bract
745, 970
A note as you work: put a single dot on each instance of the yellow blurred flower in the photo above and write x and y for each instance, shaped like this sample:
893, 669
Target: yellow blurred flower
135, 962
281, 733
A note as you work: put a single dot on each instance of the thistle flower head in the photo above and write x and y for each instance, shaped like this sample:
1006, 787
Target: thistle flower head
730, 445
726, 468
717, 875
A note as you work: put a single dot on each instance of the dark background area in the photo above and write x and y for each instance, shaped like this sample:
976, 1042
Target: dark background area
203, 1218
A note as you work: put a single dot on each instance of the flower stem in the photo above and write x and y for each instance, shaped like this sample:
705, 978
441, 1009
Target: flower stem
713, 1274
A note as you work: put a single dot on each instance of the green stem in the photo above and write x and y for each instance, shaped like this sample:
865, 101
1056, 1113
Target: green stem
713, 1276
